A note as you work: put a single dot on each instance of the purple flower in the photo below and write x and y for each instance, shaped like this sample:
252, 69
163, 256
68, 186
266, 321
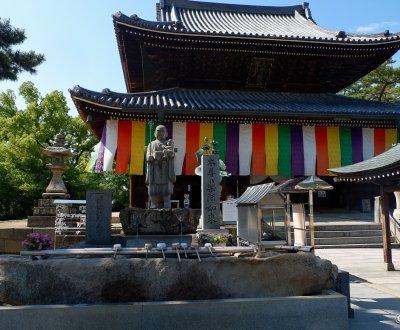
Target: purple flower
37, 241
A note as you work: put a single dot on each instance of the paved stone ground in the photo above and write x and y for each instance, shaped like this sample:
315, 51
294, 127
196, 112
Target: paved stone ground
375, 292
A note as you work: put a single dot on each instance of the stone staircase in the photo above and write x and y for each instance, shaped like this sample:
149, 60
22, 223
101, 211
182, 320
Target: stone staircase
349, 236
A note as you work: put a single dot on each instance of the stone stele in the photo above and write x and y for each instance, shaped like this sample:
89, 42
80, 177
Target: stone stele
105, 280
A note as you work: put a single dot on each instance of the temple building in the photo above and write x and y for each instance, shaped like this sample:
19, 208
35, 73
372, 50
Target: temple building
260, 80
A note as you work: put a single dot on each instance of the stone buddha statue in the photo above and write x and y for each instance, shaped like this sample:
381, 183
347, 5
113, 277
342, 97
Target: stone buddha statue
160, 169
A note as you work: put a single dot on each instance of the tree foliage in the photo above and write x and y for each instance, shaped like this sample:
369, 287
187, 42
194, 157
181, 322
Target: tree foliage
382, 84
23, 133
23, 172
13, 62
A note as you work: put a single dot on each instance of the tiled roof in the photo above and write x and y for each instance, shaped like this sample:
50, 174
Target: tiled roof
224, 102
254, 194
205, 18
385, 160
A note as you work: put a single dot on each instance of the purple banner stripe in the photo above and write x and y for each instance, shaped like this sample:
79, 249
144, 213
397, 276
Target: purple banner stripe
100, 158
169, 130
297, 150
232, 148
357, 144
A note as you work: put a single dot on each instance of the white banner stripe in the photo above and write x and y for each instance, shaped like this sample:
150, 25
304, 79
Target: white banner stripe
245, 149
310, 150
368, 143
111, 144
179, 130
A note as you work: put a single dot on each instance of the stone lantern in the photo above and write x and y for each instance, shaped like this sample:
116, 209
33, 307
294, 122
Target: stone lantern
44, 215
57, 152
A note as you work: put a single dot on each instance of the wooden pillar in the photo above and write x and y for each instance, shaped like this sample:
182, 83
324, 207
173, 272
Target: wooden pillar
288, 220
131, 191
387, 246
311, 219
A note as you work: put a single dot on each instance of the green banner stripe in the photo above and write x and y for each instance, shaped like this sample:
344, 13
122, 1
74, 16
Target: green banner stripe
149, 137
219, 135
284, 151
346, 150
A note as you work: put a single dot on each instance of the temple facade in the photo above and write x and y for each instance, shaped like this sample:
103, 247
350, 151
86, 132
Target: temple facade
260, 80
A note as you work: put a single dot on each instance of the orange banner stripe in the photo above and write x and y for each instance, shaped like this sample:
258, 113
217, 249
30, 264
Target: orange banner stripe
123, 146
258, 154
321, 140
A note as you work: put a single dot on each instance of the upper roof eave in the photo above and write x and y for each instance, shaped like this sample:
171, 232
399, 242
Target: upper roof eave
176, 28
212, 102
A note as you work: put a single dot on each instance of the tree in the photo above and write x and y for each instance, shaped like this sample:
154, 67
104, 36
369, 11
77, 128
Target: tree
13, 62
382, 84
23, 172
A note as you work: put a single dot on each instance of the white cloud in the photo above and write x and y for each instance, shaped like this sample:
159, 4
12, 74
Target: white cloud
377, 27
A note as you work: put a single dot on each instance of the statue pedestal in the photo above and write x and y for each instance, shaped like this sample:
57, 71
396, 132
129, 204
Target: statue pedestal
137, 221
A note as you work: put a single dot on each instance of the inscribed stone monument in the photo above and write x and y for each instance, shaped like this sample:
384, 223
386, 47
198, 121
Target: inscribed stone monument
210, 192
98, 216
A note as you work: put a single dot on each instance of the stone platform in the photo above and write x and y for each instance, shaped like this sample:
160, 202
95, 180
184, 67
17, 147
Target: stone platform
323, 311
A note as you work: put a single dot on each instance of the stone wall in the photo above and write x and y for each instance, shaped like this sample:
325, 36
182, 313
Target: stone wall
10, 238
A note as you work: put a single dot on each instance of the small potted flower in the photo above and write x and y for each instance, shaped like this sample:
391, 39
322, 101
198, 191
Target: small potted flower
37, 242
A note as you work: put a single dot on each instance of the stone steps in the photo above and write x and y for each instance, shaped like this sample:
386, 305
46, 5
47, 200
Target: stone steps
349, 233
354, 246
346, 236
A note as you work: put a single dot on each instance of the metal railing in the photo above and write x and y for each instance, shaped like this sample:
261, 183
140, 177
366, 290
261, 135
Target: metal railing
394, 228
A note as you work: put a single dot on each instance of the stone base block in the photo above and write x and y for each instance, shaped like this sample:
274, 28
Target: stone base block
45, 202
41, 221
324, 311
136, 221
44, 211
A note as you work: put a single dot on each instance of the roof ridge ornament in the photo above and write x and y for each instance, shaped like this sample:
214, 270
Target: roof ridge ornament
106, 91
134, 17
307, 10
341, 35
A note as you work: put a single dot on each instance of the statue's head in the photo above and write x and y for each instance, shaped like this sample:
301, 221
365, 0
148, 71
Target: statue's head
161, 132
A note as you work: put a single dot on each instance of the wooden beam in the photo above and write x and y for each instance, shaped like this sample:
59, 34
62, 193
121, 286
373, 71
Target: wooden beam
387, 245
391, 189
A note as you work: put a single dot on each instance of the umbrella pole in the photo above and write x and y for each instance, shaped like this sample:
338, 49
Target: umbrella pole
311, 211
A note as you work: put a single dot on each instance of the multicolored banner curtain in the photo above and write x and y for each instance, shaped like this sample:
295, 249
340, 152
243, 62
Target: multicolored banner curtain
247, 149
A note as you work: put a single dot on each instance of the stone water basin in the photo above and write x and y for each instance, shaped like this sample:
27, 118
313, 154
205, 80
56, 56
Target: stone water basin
88, 280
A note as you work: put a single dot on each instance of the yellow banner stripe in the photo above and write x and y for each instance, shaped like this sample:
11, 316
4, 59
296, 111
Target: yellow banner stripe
390, 138
206, 130
137, 147
271, 149
334, 153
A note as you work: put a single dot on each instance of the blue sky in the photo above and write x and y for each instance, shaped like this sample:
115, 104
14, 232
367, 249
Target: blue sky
77, 36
